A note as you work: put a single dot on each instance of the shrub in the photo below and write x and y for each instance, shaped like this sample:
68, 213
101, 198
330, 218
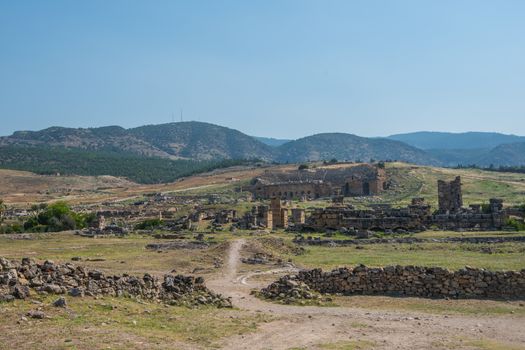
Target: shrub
56, 217
485, 208
149, 224
515, 223
14, 228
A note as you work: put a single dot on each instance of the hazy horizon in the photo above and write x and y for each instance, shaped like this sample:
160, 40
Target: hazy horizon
280, 69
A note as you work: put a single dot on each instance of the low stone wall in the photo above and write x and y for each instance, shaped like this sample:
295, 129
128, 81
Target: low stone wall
407, 240
411, 281
19, 280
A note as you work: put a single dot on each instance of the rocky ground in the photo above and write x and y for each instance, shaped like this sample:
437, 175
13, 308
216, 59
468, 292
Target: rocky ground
108, 321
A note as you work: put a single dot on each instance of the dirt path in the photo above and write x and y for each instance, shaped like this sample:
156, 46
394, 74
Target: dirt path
309, 326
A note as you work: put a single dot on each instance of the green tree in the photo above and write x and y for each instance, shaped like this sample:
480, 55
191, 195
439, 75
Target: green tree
57, 217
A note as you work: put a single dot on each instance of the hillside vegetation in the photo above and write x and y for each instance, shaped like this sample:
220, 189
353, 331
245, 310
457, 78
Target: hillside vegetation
203, 141
47, 160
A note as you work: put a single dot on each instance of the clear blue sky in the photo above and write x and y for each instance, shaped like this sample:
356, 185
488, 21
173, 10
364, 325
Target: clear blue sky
270, 68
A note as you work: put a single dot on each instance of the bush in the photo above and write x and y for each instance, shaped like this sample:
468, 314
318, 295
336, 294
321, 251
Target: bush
515, 223
57, 217
14, 228
303, 167
485, 208
148, 224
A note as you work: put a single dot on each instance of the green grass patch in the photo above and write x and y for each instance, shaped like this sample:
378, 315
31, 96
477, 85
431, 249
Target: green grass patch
504, 256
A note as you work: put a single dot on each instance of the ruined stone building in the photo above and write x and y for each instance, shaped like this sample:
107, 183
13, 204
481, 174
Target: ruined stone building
451, 214
475, 217
226, 216
280, 213
378, 217
275, 215
298, 216
354, 180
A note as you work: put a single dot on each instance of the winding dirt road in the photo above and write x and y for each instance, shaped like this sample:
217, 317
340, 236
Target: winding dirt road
310, 326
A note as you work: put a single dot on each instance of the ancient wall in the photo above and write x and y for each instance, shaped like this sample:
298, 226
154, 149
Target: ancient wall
428, 282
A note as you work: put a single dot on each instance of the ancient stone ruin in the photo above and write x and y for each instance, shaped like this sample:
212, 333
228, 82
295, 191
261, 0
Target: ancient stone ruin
417, 281
379, 217
20, 280
450, 197
307, 184
276, 215
417, 216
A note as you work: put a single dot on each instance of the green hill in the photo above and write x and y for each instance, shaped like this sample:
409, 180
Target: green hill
203, 141
350, 147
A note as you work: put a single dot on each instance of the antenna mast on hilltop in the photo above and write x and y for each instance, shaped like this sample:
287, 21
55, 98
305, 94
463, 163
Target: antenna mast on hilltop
181, 115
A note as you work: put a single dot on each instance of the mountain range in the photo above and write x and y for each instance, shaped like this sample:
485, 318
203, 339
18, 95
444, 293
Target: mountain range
197, 141
203, 141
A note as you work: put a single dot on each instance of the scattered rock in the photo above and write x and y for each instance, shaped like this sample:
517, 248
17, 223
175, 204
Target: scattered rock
60, 302
36, 314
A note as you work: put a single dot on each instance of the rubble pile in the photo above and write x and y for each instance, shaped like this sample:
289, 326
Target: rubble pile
288, 290
19, 280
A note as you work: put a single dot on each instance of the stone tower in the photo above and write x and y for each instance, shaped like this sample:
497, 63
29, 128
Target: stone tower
449, 195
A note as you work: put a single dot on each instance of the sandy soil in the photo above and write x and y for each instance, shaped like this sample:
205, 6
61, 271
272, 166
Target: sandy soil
310, 326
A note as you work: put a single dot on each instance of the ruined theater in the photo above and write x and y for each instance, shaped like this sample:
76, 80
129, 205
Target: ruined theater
307, 184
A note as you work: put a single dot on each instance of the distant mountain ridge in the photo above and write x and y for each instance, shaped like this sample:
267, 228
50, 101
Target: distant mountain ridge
203, 141
270, 141
446, 140
350, 147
